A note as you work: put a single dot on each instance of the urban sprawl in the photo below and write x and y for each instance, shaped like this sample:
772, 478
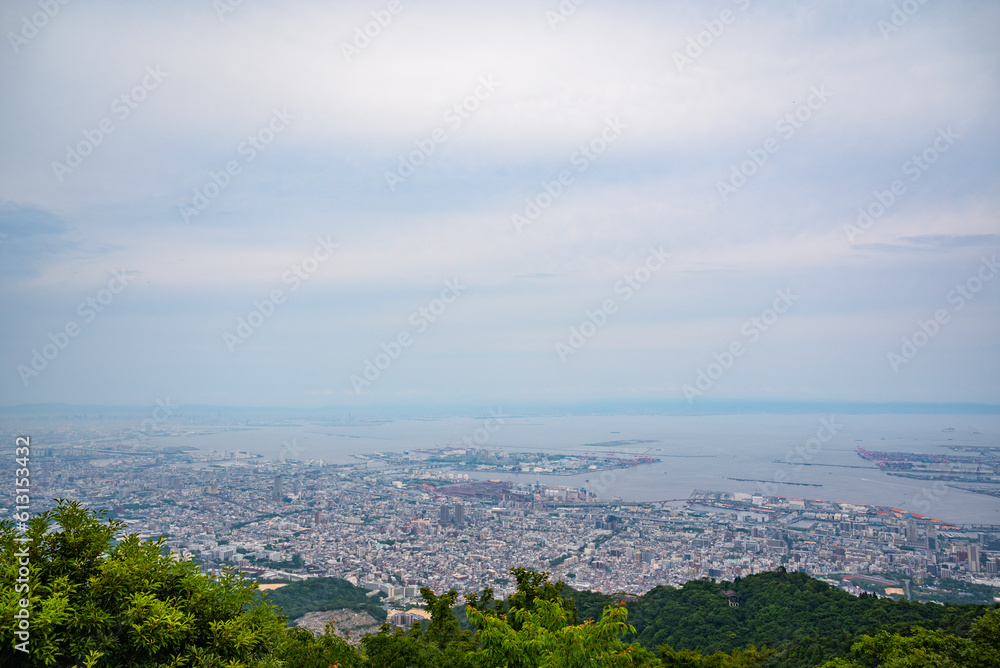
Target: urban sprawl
402, 522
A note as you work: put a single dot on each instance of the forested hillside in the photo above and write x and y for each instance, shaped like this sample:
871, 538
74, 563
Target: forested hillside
805, 619
322, 594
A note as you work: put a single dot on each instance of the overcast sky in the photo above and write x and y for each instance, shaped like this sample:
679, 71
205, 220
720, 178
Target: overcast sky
677, 170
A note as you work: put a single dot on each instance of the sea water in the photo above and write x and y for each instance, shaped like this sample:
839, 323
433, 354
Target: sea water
695, 452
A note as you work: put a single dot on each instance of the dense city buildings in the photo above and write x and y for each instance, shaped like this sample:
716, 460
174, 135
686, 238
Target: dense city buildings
407, 524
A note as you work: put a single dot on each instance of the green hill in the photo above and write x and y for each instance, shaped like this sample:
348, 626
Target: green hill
806, 620
322, 594
589, 604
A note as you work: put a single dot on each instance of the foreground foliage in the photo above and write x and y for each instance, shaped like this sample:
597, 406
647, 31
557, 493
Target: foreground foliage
805, 620
929, 648
98, 602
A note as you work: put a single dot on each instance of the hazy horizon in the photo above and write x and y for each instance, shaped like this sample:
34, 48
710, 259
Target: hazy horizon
390, 410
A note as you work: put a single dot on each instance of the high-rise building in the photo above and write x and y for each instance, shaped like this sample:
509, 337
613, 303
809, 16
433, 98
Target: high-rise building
276, 493
444, 517
459, 514
974, 558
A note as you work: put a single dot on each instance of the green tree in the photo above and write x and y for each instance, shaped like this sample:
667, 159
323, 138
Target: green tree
534, 586
689, 658
442, 645
443, 628
545, 637
301, 649
97, 602
805, 620
930, 649
395, 649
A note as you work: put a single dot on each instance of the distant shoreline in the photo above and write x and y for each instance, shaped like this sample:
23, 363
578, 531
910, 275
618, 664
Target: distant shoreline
367, 412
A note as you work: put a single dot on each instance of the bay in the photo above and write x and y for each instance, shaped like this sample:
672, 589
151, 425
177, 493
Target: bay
696, 452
